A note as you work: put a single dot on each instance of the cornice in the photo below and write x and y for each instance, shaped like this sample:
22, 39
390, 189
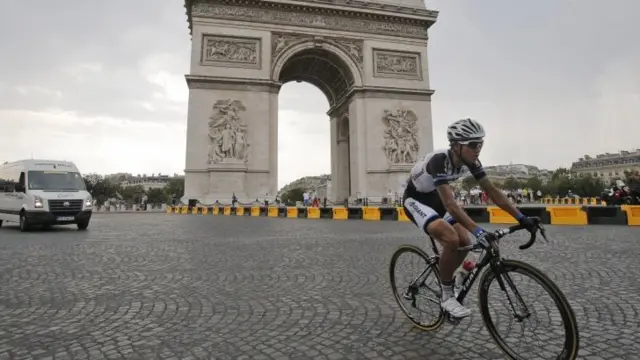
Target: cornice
357, 9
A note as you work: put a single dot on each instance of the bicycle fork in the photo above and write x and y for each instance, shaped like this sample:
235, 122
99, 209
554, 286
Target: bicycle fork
500, 274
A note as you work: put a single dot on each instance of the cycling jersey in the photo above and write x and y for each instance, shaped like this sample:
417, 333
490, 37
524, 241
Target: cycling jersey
421, 202
436, 169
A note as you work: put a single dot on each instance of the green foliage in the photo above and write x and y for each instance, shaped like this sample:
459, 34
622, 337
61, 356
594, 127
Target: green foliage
291, 196
102, 189
469, 183
559, 185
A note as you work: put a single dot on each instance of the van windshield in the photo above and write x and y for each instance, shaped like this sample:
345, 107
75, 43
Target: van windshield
55, 181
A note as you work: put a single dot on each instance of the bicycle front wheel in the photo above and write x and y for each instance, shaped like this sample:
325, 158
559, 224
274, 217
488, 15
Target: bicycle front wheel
517, 311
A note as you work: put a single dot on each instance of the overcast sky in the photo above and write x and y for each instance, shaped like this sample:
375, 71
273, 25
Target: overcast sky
101, 83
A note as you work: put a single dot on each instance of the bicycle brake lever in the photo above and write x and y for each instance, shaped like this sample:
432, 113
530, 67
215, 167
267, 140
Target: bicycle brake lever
543, 232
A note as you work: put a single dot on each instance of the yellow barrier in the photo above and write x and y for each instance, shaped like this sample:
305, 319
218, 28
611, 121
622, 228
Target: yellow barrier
402, 216
371, 213
194, 210
216, 210
240, 211
255, 211
633, 214
570, 201
205, 210
340, 213
169, 209
185, 210
313, 213
499, 216
272, 211
292, 212
227, 210
567, 215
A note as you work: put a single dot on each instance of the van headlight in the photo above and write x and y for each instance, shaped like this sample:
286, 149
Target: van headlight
88, 202
38, 203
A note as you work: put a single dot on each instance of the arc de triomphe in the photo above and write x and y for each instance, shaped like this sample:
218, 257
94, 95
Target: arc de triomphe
368, 57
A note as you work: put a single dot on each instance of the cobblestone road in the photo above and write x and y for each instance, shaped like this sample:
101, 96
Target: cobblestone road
193, 287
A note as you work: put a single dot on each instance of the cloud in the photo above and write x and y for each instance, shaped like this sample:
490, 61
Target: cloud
96, 144
102, 83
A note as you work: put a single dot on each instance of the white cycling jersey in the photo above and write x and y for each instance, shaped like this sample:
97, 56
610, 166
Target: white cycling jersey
436, 168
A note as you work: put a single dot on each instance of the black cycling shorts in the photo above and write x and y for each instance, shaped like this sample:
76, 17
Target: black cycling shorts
423, 208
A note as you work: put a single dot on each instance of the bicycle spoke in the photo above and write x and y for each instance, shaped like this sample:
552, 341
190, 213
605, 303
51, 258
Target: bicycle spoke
524, 316
418, 299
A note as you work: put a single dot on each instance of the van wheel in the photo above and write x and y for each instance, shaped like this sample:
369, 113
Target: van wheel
83, 225
24, 223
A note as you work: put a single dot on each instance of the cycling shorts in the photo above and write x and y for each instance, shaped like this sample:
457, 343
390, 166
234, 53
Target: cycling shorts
424, 208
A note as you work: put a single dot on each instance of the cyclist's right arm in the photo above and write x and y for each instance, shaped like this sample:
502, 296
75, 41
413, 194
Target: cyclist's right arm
437, 168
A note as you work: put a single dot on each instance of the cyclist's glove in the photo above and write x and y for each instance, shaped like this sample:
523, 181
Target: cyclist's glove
482, 237
527, 223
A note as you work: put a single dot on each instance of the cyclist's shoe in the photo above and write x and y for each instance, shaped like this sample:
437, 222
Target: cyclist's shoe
453, 307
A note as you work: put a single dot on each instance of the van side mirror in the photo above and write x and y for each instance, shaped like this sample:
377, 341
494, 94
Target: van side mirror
19, 188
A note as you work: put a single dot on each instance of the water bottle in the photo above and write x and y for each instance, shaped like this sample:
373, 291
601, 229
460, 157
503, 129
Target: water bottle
467, 266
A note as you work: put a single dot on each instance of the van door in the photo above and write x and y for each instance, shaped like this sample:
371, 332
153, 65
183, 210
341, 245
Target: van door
21, 192
4, 198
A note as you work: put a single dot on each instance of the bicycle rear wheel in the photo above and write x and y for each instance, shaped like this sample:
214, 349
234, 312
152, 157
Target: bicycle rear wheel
520, 310
417, 288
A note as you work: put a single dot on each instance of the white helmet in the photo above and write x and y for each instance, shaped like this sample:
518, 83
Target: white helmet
464, 130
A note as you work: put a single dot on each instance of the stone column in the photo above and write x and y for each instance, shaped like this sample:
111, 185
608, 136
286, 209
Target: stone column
398, 132
246, 112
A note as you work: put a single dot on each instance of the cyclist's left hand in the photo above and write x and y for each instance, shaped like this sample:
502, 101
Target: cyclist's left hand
528, 223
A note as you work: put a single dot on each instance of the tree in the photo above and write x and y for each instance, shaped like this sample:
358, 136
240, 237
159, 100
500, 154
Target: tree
469, 183
133, 194
292, 195
157, 196
511, 184
534, 183
101, 189
588, 186
175, 188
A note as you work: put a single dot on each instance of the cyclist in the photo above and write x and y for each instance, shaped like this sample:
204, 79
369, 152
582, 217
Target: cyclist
429, 202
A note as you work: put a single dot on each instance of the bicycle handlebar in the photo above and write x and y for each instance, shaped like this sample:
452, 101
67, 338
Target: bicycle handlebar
500, 233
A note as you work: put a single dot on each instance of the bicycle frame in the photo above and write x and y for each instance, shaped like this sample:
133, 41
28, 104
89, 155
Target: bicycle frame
486, 258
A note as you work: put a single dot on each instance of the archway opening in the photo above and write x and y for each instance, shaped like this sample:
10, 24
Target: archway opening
313, 140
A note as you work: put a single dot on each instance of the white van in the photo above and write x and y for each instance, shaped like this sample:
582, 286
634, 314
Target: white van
43, 193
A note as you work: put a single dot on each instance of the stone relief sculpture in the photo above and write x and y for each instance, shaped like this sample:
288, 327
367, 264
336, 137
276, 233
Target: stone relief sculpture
299, 18
397, 64
230, 50
227, 133
354, 49
281, 41
400, 136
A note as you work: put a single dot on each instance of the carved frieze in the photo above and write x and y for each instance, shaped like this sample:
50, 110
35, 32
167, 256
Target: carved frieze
354, 49
230, 51
304, 18
228, 138
397, 64
400, 136
283, 41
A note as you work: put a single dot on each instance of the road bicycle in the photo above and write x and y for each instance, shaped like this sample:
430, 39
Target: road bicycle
495, 268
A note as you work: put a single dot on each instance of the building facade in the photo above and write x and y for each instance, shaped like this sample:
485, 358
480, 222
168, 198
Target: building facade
519, 172
607, 166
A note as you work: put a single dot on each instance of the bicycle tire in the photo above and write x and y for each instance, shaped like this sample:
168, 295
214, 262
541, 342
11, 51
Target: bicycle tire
416, 250
572, 338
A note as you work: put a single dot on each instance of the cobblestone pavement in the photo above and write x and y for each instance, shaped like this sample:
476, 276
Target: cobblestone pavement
196, 287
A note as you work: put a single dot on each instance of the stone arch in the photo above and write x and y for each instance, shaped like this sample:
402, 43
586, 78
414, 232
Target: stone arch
368, 59
317, 62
